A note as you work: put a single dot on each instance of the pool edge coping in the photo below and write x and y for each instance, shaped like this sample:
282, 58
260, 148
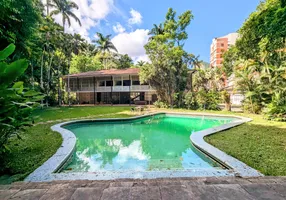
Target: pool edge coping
53, 164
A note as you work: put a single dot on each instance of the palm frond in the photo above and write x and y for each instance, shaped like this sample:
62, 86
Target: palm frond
55, 12
74, 16
73, 5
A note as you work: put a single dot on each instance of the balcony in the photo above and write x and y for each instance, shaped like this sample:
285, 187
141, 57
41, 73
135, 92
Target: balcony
133, 88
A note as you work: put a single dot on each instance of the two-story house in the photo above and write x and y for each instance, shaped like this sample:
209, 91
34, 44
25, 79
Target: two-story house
114, 86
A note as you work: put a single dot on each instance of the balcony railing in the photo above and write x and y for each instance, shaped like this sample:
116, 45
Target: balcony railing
133, 88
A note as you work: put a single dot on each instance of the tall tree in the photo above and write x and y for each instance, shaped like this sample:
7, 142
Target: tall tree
65, 7
167, 72
104, 45
124, 61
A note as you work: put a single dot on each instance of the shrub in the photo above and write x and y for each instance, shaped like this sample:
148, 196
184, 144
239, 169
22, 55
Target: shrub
208, 100
226, 99
16, 102
161, 104
190, 100
276, 110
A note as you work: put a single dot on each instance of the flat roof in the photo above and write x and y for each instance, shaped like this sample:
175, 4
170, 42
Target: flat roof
104, 73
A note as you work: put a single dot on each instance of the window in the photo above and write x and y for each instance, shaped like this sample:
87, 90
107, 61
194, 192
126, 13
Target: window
126, 83
101, 83
109, 83
222, 45
118, 83
85, 83
135, 82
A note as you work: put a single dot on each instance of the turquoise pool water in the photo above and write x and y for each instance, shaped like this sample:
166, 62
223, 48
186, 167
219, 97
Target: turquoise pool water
160, 142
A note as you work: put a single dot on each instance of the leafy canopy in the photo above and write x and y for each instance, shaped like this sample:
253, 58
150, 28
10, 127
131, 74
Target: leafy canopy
167, 72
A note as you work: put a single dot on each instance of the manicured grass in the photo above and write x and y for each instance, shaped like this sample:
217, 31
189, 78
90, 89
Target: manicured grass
57, 113
260, 143
39, 142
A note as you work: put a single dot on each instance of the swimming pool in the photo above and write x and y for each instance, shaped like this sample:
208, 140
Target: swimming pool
160, 142
159, 145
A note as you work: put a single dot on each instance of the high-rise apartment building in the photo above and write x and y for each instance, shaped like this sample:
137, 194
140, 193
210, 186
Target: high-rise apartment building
219, 46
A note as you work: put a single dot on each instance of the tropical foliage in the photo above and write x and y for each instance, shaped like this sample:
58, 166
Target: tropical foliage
168, 70
258, 60
16, 101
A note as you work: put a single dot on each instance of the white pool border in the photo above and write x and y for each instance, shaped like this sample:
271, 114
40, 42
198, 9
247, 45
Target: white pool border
47, 171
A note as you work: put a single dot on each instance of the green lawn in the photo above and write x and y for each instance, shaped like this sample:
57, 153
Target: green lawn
39, 142
260, 143
58, 113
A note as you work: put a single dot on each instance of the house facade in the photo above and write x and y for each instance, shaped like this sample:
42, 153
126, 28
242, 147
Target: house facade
114, 86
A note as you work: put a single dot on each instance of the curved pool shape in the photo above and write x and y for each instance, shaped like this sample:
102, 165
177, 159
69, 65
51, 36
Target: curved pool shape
160, 142
159, 145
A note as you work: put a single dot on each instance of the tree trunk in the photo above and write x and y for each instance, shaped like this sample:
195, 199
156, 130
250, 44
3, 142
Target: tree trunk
69, 81
32, 72
41, 81
48, 8
49, 80
59, 87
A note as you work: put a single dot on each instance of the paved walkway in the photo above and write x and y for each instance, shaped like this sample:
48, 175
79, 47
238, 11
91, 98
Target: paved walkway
177, 189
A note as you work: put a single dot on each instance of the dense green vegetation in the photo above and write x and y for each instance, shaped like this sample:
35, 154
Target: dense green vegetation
16, 102
257, 65
51, 51
39, 142
168, 70
258, 60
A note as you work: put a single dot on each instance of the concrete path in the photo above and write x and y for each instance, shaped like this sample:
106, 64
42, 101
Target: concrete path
177, 189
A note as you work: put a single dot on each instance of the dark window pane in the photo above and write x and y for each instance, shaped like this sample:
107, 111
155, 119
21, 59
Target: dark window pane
109, 83
135, 82
118, 83
101, 83
126, 83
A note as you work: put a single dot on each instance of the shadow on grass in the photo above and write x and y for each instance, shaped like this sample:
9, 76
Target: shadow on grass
260, 146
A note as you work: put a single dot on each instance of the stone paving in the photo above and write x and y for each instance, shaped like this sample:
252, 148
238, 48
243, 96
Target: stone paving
177, 189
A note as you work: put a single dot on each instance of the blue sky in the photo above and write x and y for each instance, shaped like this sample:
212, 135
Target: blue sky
129, 21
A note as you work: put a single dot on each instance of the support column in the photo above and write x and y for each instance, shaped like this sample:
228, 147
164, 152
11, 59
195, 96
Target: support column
122, 83
78, 90
129, 90
111, 101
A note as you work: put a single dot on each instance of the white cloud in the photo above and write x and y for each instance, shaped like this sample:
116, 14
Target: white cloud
118, 28
132, 44
95, 9
90, 12
144, 58
136, 17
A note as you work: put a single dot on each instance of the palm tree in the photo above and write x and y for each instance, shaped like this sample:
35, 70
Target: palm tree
65, 8
195, 62
78, 43
156, 30
51, 32
104, 45
141, 63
